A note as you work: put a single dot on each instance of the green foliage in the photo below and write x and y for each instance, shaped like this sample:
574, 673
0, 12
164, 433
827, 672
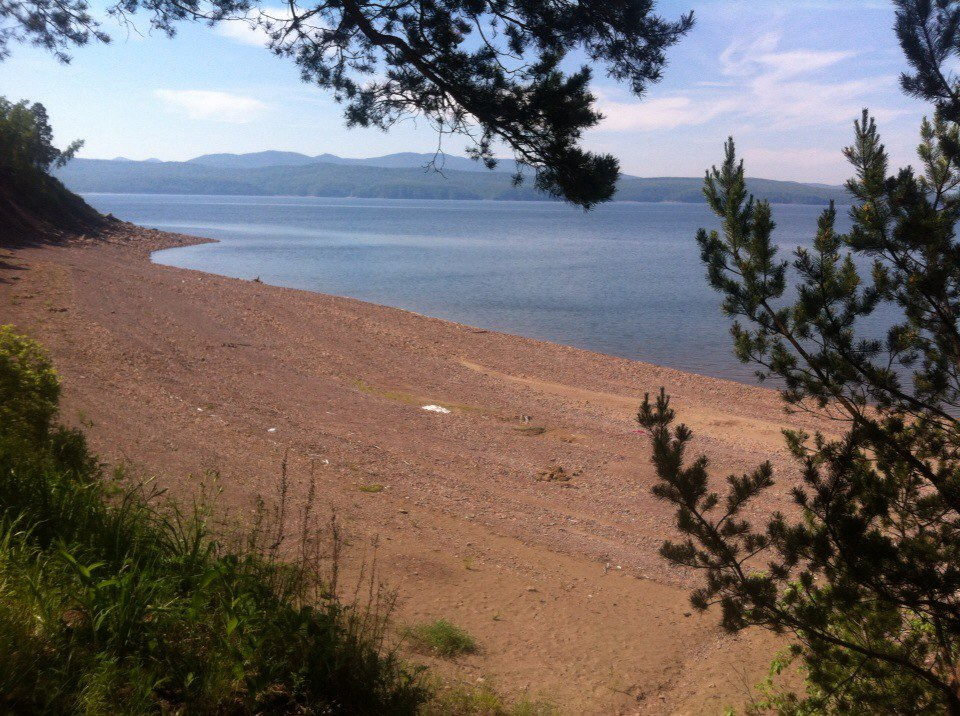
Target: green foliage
867, 579
113, 601
462, 700
442, 638
50, 24
490, 71
929, 37
29, 388
26, 140
29, 196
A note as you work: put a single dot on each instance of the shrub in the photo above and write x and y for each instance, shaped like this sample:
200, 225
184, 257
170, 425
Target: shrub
29, 388
112, 600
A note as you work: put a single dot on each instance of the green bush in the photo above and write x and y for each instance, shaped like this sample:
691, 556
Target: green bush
442, 638
112, 601
29, 389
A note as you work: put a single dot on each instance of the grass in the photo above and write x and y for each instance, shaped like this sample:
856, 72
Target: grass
371, 489
465, 700
113, 599
396, 395
442, 638
411, 398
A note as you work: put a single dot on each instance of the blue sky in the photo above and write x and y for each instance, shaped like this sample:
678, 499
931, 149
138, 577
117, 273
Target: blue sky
785, 78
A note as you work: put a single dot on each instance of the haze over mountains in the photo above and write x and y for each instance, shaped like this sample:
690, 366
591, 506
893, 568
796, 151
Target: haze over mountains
401, 160
398, 176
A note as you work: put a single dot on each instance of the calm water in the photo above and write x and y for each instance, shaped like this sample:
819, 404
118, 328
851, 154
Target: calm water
625, 279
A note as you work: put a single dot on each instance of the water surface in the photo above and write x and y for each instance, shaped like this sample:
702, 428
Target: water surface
624, 279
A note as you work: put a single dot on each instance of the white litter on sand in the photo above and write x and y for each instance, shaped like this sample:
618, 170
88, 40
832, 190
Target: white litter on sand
435, 409
272, 430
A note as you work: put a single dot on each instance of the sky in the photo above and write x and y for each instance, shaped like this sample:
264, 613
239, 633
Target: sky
785, 78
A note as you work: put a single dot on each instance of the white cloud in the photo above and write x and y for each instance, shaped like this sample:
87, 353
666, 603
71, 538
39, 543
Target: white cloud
798, 62
739, 58
244, 32
766, 86
760, 55
213, 105
252, 30
659, 113
255, 28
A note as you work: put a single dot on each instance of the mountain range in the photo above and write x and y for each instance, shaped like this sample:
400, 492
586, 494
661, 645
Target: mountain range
399, 176
401, 160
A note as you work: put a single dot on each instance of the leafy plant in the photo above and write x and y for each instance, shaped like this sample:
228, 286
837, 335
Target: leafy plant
29, 388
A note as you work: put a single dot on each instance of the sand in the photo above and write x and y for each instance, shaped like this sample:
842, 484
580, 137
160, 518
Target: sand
179, 373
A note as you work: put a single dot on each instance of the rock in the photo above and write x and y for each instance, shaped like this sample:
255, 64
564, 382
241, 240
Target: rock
436, 409
554, 474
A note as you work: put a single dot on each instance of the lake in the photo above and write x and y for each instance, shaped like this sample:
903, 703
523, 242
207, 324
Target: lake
624, 279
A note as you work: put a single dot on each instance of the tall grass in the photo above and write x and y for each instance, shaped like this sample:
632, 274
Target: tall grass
115, 600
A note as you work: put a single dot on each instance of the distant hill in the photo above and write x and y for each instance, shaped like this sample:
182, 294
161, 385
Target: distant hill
402, 160
293, 174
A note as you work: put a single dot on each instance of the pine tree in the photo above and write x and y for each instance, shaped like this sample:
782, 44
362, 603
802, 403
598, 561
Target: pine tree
867, 579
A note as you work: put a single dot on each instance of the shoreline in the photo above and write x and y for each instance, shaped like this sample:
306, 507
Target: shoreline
191, 240
182, 371
201, 240
719, 365
548, 201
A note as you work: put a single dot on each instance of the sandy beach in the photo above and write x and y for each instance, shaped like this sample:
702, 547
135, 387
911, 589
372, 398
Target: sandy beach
179, 372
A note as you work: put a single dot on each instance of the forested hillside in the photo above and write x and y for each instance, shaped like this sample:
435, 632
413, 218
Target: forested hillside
231, 174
